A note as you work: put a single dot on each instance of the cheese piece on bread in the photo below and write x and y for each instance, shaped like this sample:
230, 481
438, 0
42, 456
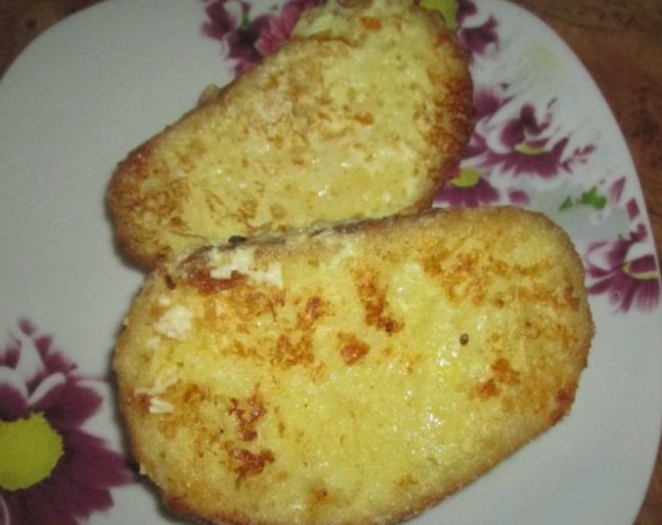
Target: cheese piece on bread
362, 113
356, 374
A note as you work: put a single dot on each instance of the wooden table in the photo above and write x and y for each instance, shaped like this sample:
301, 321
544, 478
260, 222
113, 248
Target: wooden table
619, 41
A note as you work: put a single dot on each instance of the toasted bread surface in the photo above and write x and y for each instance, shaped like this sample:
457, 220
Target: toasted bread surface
352, 375
361, 113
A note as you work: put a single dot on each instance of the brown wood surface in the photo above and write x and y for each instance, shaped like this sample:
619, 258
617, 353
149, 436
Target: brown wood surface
619, 41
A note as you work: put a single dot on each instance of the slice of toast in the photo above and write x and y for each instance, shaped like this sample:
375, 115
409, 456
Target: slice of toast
362, 113
352, 375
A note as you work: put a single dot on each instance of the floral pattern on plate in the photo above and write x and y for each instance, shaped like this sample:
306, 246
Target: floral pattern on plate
52, 471
250, 38
524, 149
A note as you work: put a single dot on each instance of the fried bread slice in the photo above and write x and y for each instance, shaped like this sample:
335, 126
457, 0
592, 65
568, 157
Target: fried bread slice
362, 113
352, 375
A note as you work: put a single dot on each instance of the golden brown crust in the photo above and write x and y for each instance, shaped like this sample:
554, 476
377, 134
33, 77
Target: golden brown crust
354, 374
363, 113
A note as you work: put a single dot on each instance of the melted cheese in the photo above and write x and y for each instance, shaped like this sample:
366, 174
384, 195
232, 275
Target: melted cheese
159, 406
175, 323
159, 387
242, 260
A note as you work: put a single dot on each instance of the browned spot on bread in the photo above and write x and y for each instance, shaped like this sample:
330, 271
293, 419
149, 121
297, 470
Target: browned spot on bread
432, 263
443, 39
364, 118
487, 389
291, 351
406, 482
352, 349
372, 23
278, 211
547, 297
141, 401
242, 350
247, 463
463, 280
188, 400
248, 412
296, 346
317, 495
564, 400
375, 303
178, 504
137, 160
569, 296
504, 373
250, 303
200, 277
463, 277
313, 310
247, 209
194, 394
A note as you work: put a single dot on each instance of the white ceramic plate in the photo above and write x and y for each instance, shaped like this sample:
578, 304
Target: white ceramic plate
99, 83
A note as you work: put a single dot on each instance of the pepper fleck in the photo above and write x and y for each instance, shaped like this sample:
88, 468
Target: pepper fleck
237, 239
170, 283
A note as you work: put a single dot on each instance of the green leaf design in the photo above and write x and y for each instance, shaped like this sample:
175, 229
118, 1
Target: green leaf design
567, 204
245, 21
467, 178
447, 8
592, 198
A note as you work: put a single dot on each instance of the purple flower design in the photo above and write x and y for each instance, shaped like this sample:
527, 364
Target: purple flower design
51, 471
467, 189
471, 188
523, 145
232, 27
279, 27
614, 198
511, 138
478, 38
249, 41
471, 185
487, 101
630, 280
